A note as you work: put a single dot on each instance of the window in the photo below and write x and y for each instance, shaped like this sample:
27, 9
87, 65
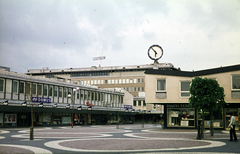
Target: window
55, 91
112, 81
60, 91
116, 81
28, 84
134, 103
21, 87
139, 80
1, 85
139, 103
161, 85
15, 87
236, 86
142, 80
65, 93
45, 90
109, 81
161, 89
181, 117
40, 88
123, 81
127, 80
142, 88
120, 81
139, 89
134, 80
131, 80
34, 88
144, 104
185, 85
50, 91
135, 88
8, 85
106, 81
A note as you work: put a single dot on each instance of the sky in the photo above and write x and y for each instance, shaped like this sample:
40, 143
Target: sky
194, 34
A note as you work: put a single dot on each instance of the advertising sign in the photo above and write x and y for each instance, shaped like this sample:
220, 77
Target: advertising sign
10, 118
128, 106
41, 99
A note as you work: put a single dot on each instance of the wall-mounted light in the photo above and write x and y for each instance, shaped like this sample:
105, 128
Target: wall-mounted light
55, 105
127, 110
68, 106
79, 108
40, 105
24, 104
90, 108
133, 110
5, 103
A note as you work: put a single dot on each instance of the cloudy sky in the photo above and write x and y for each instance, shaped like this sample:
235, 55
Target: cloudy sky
194, 34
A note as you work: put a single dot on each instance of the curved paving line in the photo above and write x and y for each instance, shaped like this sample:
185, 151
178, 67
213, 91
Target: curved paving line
4, 132
34, 149
2, 137
55, 144
99, 135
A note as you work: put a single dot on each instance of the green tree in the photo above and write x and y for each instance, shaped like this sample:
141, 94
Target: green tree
206, 95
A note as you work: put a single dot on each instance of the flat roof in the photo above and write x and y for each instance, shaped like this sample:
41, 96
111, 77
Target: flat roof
194, 73
95, 68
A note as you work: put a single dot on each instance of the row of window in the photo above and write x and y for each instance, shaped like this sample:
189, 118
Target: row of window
139, 103
161, 88
112, 81
134, 89
161, 91
13, 88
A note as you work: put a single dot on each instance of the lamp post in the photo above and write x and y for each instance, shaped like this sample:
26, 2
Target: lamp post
72, 99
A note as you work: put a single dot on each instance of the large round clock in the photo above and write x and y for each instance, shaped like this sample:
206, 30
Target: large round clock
155, 52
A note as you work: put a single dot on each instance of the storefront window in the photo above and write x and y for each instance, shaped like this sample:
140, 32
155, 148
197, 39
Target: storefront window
217, 118
181, 117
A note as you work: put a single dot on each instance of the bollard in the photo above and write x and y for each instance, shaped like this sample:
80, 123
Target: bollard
199, 132
31, 133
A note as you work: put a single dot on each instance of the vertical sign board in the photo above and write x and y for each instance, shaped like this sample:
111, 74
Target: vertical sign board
10, 118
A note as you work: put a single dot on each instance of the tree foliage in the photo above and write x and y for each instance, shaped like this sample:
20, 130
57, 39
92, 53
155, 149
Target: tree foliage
206, 94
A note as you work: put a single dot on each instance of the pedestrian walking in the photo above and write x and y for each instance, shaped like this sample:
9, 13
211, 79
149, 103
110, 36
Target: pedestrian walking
232, 128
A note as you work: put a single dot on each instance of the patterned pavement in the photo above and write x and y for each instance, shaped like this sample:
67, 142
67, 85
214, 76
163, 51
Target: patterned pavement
109, 139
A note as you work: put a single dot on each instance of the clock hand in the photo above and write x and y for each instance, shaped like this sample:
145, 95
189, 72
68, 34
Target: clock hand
155, 52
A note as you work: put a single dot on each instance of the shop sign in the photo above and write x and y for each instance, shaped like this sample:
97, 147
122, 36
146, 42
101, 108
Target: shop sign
10, 118
41, 99
128, 106
177, 106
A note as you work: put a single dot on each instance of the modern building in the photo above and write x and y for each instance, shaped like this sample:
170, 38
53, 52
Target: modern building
131, 78
27, 100
170, 88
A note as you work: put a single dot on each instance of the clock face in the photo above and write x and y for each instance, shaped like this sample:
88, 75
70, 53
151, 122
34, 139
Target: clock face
155, 52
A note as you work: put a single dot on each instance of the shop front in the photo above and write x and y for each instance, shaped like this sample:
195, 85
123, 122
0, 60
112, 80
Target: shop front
179, 116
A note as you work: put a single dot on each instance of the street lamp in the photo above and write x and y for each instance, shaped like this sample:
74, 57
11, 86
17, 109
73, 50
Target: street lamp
72, 99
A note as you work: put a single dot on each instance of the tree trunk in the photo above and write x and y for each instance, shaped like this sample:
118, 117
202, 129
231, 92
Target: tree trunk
211, 124
202, 127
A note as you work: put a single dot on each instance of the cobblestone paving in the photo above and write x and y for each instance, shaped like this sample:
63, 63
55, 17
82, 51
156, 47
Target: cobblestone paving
109, 139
